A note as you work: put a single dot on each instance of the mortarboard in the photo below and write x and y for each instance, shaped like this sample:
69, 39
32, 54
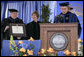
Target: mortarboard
13, 10
64, 4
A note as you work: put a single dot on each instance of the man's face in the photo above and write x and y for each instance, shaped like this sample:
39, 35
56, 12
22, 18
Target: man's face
14, 15
64, 9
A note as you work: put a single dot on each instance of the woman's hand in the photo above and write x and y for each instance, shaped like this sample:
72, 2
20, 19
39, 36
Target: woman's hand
18, 38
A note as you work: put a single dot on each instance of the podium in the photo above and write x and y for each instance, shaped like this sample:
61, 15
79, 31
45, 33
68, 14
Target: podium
47, 30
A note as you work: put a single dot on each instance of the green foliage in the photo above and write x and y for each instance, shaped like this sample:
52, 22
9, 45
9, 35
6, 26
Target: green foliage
81, 48
32, 46
14, 45
12, 41
45, 13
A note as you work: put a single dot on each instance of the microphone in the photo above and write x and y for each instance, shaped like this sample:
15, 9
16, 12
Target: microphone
59, 18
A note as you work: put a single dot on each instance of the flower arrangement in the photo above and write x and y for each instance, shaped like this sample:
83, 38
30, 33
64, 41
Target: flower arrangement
21, 49
51, 52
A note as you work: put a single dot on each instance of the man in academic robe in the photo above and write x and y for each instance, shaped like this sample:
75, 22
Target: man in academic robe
67, 17
33, 28
5, 24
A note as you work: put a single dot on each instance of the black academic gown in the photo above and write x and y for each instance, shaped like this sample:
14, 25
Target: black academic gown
33, 30
69, 18
6, 22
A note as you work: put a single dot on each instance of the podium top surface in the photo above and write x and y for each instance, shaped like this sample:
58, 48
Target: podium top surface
59, 24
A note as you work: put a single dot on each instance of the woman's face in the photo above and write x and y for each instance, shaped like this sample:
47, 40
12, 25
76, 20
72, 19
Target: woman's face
64, 9
34, 16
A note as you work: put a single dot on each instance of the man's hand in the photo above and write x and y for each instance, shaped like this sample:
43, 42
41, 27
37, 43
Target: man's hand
6, 28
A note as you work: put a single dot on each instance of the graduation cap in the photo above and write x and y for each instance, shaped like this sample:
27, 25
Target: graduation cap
64, 4
13, 10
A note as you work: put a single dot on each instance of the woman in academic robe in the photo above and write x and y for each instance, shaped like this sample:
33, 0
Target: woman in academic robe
33, 28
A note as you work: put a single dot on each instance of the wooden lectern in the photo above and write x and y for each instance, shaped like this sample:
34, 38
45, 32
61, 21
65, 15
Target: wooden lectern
69, 29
